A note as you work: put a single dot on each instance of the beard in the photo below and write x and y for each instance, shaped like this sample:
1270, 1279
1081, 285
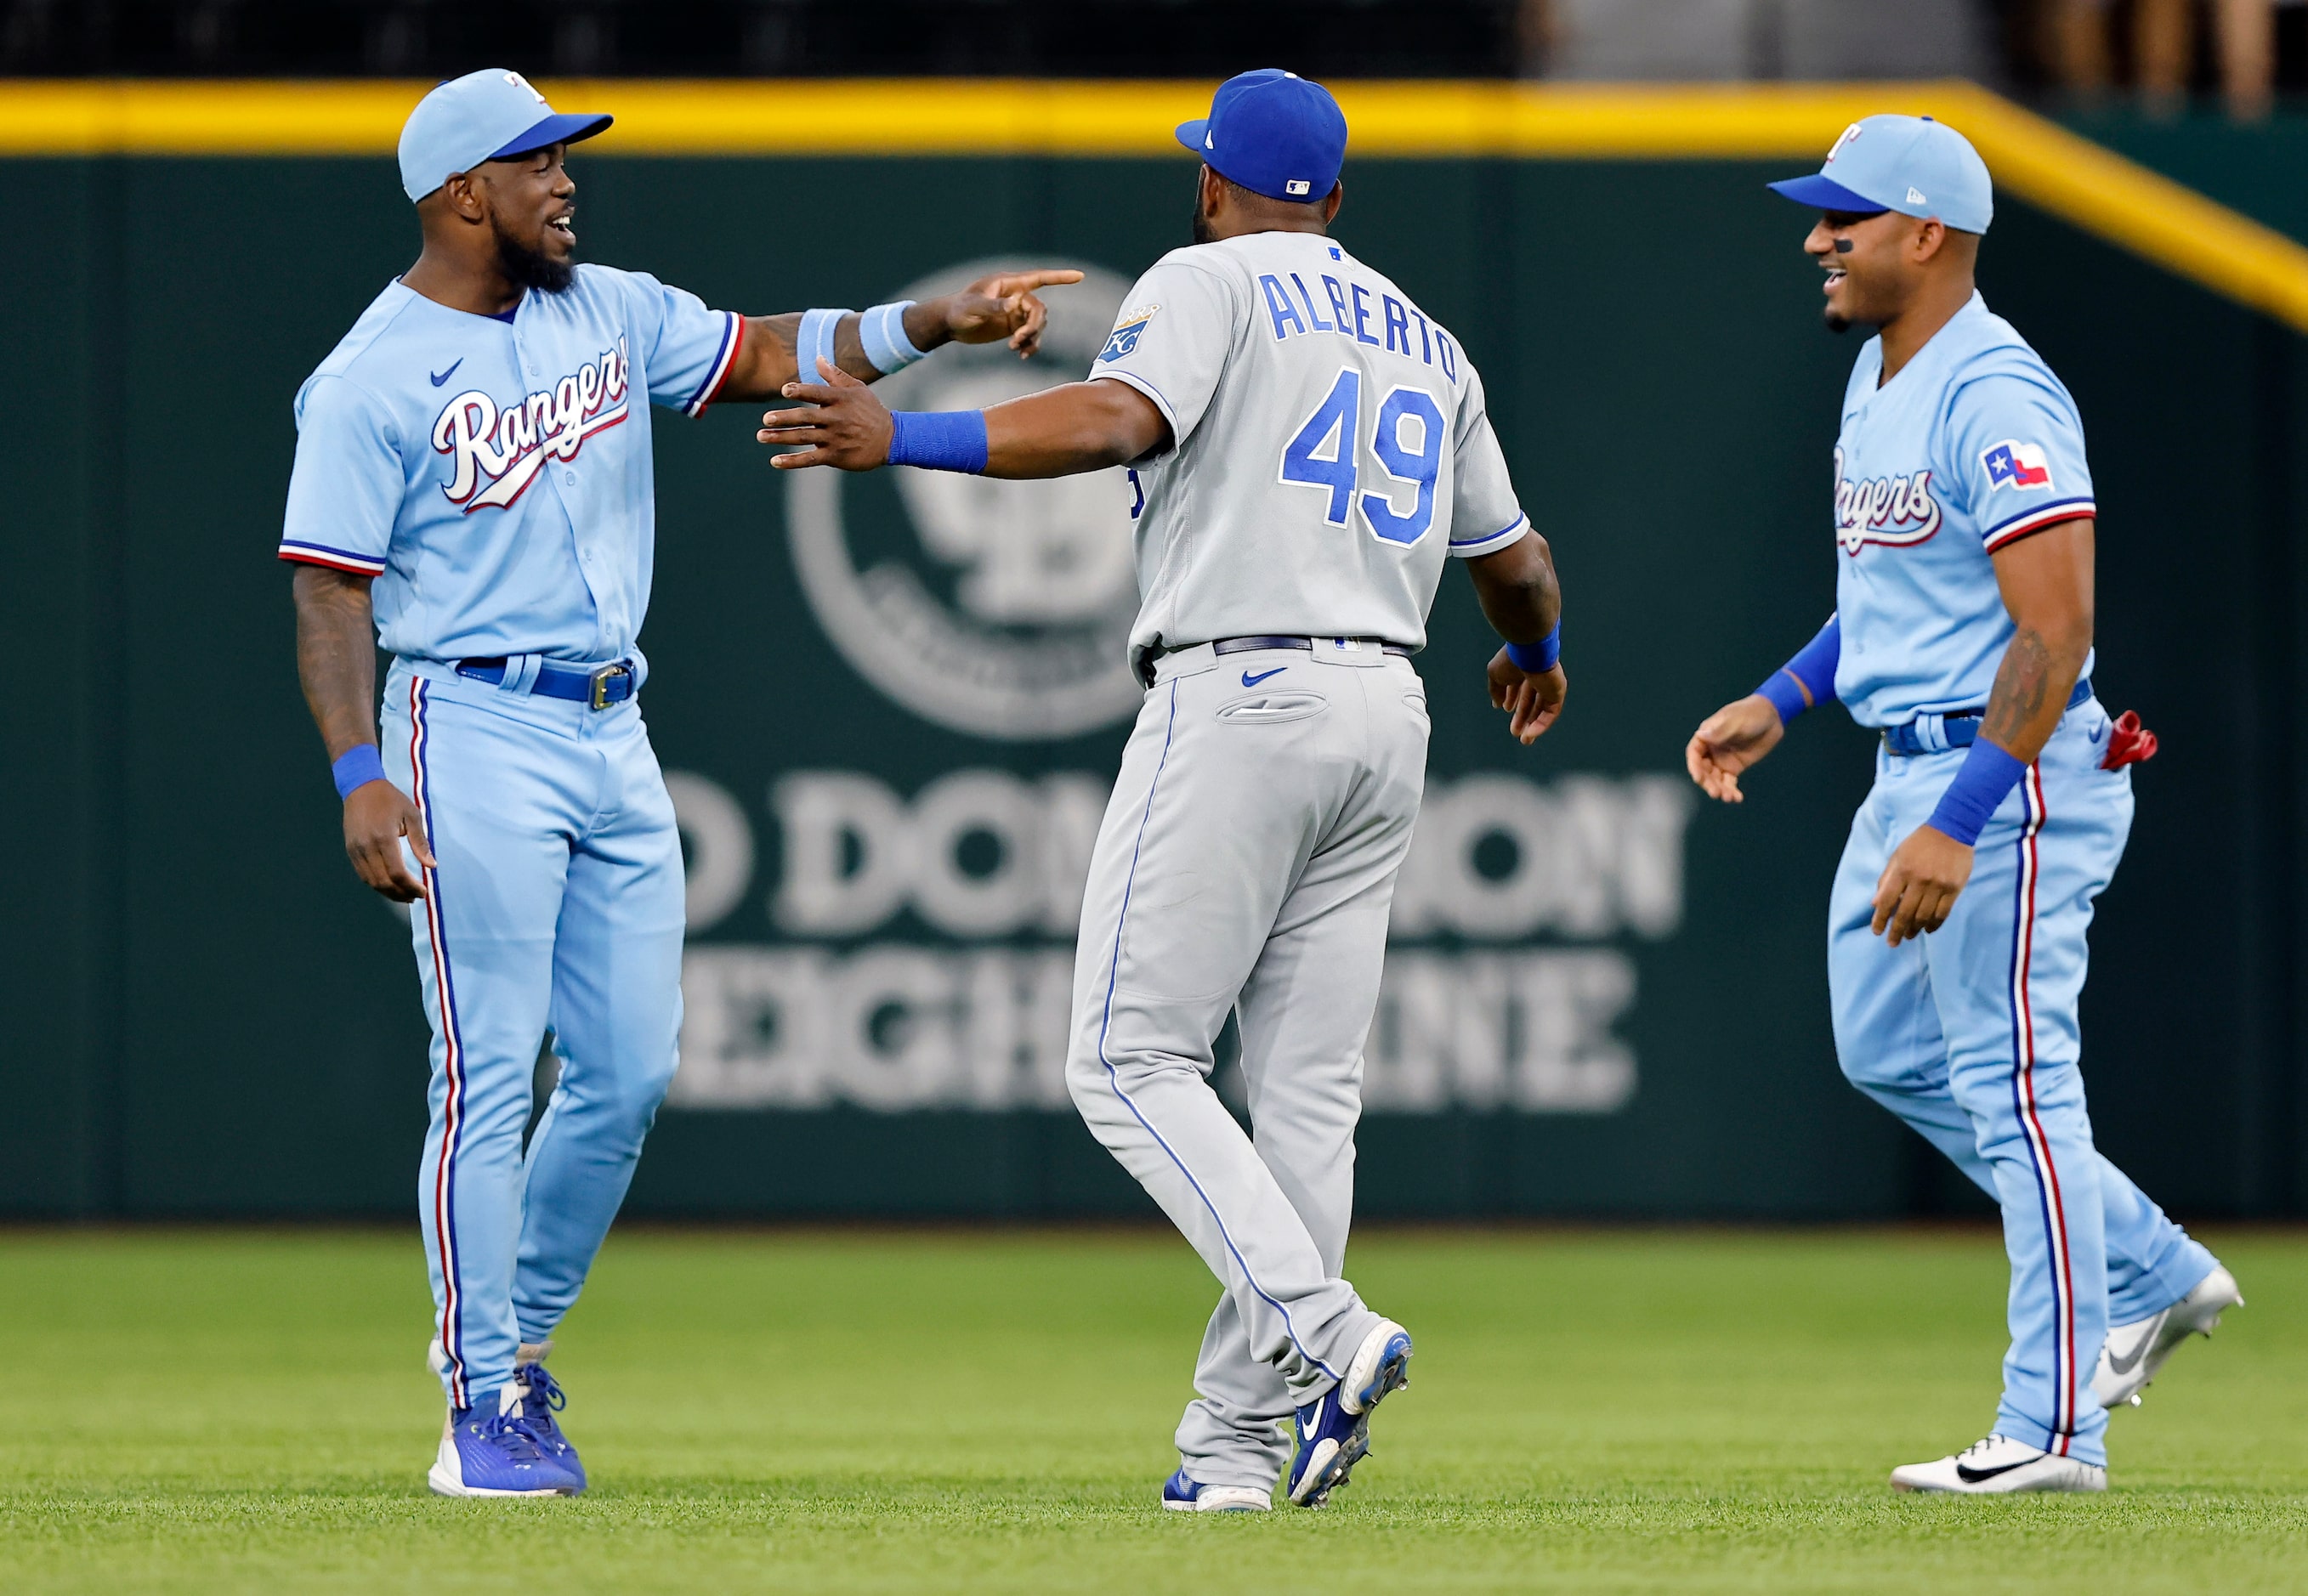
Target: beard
532, 269
1837, 324
1201, 226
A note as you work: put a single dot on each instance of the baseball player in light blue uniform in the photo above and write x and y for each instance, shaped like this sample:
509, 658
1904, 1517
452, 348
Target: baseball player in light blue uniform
473, 490
1964, 516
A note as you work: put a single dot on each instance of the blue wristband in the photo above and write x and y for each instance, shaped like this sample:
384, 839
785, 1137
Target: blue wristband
1541, 656
1982, 783
356, 767
816, 339
883, 330
938, 439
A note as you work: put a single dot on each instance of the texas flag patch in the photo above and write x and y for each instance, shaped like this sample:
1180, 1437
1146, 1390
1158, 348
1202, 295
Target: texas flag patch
2011, 464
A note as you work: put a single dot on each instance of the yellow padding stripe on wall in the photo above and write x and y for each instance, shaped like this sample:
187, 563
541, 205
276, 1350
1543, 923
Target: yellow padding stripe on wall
2032, 159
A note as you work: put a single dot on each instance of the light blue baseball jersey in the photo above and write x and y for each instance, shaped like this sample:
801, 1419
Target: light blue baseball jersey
1972, 446
495, 476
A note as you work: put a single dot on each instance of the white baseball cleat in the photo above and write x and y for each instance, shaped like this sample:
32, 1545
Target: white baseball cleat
1183, 1493
2132, 1354
1997, 1465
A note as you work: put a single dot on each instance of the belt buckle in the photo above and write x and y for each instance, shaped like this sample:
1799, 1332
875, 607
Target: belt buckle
597, 683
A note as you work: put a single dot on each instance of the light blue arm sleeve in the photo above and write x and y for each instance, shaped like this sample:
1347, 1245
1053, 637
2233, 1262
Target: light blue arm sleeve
2017, 460
683, 349
346, 488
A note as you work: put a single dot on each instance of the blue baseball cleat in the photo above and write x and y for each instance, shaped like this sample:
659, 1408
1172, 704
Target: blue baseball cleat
1334, 1428
486, 1454
541, 1396
1183, 1493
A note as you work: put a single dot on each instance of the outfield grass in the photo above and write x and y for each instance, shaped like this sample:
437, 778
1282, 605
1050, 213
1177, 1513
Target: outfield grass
944, 1412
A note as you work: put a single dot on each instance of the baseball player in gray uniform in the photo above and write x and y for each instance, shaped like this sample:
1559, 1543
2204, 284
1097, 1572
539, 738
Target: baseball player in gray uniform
1307, 446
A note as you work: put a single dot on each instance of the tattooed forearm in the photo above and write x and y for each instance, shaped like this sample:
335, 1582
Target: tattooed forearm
2031, 692
336, 655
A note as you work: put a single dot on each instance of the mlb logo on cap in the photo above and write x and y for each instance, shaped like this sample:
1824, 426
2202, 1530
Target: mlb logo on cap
2011, 464
1273, 132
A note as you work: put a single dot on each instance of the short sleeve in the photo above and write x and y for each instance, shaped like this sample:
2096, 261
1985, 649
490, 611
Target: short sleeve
1485, 517
346, 487
1172, 341
685, 350
2018, 463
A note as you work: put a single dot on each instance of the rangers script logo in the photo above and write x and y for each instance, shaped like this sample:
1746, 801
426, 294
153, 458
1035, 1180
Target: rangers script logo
1896, 512
507, 449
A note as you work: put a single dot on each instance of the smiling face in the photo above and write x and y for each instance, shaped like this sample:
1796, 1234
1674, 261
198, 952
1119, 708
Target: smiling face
530, 210
1872, 263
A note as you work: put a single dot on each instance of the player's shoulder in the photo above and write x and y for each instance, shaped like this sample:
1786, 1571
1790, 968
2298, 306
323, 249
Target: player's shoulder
1988, 347
1223, 260
373, 358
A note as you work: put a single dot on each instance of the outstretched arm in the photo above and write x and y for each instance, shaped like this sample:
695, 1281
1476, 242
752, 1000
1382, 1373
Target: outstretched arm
2046, 578
1741, 733
1059, 432
336, 661
1002, 306
1523, 602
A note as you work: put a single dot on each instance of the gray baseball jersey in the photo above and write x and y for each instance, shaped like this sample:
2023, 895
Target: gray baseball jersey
1330, 446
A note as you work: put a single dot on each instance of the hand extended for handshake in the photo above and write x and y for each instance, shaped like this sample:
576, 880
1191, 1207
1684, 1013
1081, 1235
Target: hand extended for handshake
1926, 872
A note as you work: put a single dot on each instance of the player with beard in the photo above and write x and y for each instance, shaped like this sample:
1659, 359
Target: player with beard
472, 489
1965, 515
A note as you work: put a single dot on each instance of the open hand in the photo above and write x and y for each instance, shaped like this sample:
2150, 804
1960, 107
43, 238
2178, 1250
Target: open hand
848, 429
378, 816
1918, 887
1003, 305
1736, 736
1533, 699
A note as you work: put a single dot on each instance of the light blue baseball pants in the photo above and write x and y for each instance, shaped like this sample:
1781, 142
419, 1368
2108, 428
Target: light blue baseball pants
557, 902
1970, 1035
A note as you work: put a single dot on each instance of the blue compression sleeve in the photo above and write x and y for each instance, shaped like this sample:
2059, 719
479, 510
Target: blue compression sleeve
938, 439
1982, 783
1813, 668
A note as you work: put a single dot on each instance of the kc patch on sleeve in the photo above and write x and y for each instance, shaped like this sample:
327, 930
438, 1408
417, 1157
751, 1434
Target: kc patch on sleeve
1125, 337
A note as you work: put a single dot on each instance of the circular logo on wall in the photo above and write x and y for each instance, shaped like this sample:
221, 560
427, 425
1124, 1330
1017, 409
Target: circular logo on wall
999, 608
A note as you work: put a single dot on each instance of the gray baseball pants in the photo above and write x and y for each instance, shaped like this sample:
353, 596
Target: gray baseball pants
1247, 861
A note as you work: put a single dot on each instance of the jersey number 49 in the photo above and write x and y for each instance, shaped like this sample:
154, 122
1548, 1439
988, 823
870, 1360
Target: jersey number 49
1405, 447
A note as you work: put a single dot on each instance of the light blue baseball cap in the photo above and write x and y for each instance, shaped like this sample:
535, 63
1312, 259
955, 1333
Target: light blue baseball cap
1912, 165
484, 116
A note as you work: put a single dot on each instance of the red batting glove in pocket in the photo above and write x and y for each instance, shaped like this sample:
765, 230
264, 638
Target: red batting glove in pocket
2128, 742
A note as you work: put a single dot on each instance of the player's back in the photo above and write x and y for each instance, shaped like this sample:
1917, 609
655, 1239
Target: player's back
1331, 446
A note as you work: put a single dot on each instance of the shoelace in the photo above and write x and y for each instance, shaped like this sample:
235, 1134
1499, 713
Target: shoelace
542, 1384
510, 1433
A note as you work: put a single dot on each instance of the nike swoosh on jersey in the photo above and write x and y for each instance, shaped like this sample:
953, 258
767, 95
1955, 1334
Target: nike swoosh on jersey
1971, 1476
1250, 680
439, 378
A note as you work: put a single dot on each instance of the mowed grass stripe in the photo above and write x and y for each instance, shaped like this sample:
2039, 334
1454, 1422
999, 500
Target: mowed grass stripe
879, 1412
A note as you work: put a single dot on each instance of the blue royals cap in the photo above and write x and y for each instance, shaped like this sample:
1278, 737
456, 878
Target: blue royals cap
1912, 165
1274, 132
484, 116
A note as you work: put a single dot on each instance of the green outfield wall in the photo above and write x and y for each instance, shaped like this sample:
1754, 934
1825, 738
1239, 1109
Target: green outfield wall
892, 707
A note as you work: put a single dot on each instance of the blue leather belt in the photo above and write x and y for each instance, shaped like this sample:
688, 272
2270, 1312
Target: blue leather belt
1960, 730
597, 687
